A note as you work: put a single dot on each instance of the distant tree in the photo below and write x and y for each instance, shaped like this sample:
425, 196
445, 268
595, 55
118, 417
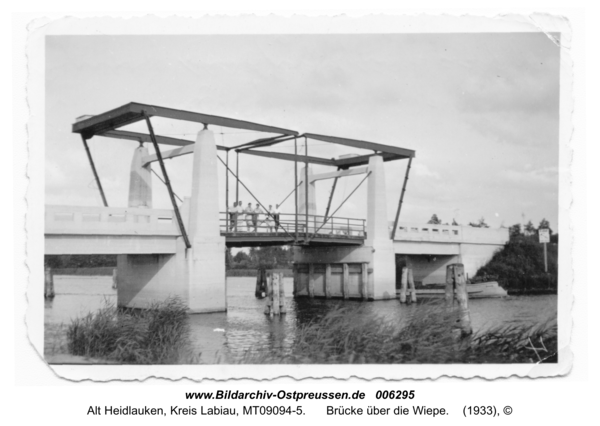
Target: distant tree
529, 228
241, 256
515, 230
80, 261
454, 222
435, 220
544, 224
480, 224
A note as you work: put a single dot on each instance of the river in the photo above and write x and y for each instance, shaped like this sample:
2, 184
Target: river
225, 337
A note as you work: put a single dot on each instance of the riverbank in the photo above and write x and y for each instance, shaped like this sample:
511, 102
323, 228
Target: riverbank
532, 291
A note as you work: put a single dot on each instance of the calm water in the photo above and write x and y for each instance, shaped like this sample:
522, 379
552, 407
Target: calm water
224, 337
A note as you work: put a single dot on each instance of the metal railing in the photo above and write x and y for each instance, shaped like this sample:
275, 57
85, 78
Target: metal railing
285, 223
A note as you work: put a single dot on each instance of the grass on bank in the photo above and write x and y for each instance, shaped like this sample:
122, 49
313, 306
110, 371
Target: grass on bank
158, 334
428, 336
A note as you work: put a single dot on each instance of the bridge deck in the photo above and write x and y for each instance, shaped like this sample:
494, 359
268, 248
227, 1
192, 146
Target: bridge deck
104, 230
258, 239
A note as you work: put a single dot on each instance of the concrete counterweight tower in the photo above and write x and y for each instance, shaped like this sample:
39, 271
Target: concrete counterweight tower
195, 275
140, 180
206, 262
312, 200
382, 280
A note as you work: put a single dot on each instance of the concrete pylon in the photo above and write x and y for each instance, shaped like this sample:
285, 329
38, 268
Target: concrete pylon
140, 180
383, 264
312, 197
206, 262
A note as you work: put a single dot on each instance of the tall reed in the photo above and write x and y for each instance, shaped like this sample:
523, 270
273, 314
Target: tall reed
429, 335
158, 334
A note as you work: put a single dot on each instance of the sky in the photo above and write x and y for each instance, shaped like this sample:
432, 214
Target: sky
480, 110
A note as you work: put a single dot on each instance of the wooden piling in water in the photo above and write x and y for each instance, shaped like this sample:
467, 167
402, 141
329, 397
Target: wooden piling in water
282, 309
274, 283
403, 285
275, 294
261, 284
48, 284
269, 291
411, 286
449, 289
296, 280
462, 296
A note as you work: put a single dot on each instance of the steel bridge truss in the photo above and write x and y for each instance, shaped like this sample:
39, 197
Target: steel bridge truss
108, 124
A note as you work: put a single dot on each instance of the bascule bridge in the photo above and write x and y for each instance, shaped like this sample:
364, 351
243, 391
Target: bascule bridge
181, 251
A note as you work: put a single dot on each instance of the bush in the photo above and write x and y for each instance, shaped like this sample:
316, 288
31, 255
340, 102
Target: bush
156, 335
520, 265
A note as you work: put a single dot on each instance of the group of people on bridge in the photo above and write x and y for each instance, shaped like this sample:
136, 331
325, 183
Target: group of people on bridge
250, 219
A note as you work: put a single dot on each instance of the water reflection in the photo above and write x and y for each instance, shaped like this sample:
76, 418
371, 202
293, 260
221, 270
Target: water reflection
228, 337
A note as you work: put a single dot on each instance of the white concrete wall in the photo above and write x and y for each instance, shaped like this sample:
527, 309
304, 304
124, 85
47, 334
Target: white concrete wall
143, 279
430, 269
473, 247
474, 256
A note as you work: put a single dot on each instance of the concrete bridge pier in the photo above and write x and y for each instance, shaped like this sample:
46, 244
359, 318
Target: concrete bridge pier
366, 272
206, 259
383, 263
195, 275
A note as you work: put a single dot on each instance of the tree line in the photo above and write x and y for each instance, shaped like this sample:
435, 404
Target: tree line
516, 230
276, 257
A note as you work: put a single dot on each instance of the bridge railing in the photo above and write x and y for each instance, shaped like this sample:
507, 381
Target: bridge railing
450, 233
109, 221
286, 224
428, 232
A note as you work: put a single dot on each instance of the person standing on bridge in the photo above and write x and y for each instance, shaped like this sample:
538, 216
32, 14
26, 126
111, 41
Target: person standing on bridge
233, 217
256, 217
276, 216
269, 219
239, 217
249, 212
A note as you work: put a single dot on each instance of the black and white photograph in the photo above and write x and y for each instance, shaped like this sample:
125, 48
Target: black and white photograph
244, 216
313, 199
